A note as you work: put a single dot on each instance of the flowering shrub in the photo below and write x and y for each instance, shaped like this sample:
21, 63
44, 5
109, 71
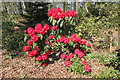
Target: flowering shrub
44, 41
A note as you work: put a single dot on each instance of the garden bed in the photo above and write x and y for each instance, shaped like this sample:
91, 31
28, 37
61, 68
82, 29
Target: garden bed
24, 67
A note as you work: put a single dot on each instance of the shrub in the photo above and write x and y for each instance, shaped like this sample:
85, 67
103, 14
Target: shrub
12, 40
108, 73
45, 41
113, 60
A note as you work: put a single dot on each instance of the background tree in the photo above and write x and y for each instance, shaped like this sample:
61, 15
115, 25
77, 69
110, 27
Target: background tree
35, 12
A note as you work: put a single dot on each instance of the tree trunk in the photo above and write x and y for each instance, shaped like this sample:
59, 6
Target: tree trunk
77, 5
20, 8
4, 4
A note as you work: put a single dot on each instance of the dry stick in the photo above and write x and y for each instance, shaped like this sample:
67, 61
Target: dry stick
111, 38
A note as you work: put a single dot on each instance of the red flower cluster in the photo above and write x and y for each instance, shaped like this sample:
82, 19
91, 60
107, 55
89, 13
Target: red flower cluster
63, 39
58, 14
87, 68
74, 38
70, 13
50, 37
26, 48
67, 57
48, 52
42, 57
36, 48
29, 42
32, 53
41, 30
54, 27
67, 63
30, 31
79, 53
34, 38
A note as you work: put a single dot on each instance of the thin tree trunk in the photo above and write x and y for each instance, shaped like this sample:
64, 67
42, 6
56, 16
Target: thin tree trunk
20, 8
77, 5
5, 12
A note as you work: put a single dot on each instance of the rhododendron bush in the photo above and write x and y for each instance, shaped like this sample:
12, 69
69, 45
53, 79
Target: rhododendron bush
45, 41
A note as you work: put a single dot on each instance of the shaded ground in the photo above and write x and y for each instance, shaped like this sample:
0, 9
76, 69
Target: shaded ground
25, 67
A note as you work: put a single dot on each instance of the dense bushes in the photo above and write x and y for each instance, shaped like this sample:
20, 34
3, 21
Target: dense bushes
11, 39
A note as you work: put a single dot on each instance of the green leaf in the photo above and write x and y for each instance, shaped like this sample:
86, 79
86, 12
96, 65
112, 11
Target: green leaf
34, 44
37, 62
70, 18
41, 36
71, 59
25, 38
61, 24
26, 53
54, 22
59, 21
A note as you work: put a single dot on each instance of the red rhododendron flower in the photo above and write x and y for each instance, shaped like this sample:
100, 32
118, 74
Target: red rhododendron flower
50, 37
67, 63
73, 35
67, 12
34, 38
42, 31
38, 28
25, 31
50, 12
46, 27
29, 42
32, 53
71, 13
44, 56
26, 48
38, 58
48, 52
47, 42
84, 62
83, 42
58, 10
62, 15
58, 40
83, 50
76, 51
62, 39
80, 54
71, 55
36, 48
63, 56
30, 31
87, 68
74, 39
78, 39
55, 16
54, 27
44, 64
88, 45
66, 40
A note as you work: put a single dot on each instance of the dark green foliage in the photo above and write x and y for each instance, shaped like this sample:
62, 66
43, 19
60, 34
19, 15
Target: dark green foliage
114, 60
11, 39
35, 12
